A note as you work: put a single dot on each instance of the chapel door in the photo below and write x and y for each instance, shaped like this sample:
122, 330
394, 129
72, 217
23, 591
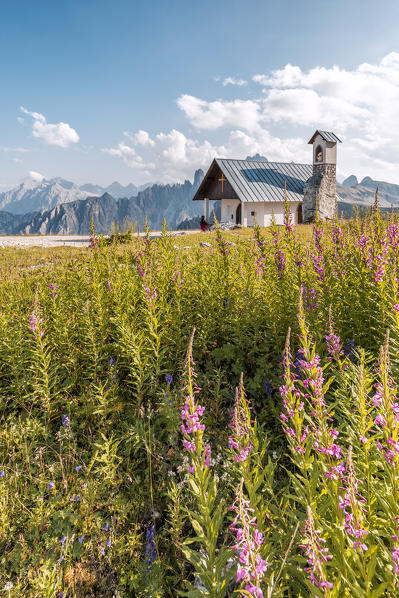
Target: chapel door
299, 214
238, 214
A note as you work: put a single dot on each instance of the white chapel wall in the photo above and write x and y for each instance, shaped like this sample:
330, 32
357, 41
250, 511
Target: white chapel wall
263, 212
228, 210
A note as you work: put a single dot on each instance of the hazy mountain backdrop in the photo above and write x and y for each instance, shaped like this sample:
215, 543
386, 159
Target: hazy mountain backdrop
60, 206
172, 202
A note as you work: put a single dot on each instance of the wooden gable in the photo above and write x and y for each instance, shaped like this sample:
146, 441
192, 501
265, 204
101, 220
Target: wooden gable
215, 185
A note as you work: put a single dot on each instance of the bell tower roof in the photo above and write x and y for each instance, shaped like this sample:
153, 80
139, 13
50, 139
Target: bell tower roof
326, 135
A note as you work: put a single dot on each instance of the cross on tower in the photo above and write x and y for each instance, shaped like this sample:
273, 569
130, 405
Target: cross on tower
222, 180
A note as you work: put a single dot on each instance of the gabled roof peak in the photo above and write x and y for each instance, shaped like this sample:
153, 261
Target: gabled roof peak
327, 136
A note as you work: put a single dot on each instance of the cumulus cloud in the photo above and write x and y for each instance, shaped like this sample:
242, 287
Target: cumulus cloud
220, 113
140, 138
173, 156
130, 157
61, 134
35, 176
234, 81
359, 105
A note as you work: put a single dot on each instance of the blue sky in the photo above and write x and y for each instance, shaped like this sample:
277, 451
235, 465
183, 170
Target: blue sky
195, 79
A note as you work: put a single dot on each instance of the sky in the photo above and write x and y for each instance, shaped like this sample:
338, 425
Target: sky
95, 91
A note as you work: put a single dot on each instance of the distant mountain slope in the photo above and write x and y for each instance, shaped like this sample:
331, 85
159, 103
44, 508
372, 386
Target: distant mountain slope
34, 195
363, 193
115, 189
9, 223
172, 202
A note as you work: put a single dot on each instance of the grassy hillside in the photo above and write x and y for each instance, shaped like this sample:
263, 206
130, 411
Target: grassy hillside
162, 435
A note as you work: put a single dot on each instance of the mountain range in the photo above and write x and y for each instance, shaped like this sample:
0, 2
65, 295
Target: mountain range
362, 194
33, 194
156, 202
57, 206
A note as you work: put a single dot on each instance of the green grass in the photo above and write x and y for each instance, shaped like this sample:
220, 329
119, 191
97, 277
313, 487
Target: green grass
118, 322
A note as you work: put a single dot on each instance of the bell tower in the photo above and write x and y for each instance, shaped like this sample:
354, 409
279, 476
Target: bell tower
320, 191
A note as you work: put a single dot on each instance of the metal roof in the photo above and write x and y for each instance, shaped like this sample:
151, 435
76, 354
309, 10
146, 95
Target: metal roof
264, 181
327, 136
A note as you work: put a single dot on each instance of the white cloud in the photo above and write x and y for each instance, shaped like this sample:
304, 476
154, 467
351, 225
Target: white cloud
175, 157
60, 134
212, 115
359, 105
17, 160
234, 81
35, 176
140, 138
10, 150
130, 157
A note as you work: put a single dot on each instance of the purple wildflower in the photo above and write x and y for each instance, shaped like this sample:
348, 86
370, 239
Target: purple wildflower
279, 258
318, 555
150, 549
53, 290
395, 558
240, 425
351, 505
168, 379
251, 567
268, 388
333, 346
65, 420
36, 322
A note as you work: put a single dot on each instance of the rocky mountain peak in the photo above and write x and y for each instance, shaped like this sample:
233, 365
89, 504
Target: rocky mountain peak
350, 181
257, 158
198, 176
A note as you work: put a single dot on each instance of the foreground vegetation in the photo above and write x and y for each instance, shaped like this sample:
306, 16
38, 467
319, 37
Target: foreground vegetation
179, 419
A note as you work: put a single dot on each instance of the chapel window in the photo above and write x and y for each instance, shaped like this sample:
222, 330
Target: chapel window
319, 154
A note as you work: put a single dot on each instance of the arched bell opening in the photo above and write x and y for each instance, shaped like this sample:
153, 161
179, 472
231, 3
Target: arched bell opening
318, 155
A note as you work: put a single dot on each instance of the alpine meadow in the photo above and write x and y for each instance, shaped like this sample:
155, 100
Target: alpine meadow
213, 419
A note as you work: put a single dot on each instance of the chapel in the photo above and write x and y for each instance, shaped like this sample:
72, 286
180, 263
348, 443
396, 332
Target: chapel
252, 189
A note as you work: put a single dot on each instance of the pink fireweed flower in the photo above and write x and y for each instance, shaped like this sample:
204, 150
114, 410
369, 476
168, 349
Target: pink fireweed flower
279, 258
53, 290
309, 297
241, 426
317, 237
35, 322
145, 275
333, 346
318, 265
380, 421
287, 219
351, 505
191, 412
395, 558
251, 566
318, 555
94, 243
